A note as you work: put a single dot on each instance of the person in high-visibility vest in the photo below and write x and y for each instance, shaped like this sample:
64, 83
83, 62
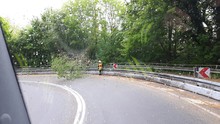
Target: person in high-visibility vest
100, 66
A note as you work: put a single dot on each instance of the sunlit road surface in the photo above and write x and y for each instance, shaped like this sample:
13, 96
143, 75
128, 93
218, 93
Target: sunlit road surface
116, 100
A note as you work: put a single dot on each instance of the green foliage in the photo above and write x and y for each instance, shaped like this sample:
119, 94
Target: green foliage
137, 65
81, 26
6, 28
109, 48
170, 31
145, 30
68, 68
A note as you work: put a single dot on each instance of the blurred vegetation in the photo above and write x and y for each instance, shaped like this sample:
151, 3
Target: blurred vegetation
161, 31
68, 68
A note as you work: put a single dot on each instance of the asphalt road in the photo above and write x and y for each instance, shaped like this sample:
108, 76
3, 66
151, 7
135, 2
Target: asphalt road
48, 104
115, 100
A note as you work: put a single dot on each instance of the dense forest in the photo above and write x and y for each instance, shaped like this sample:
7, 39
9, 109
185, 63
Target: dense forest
151, 31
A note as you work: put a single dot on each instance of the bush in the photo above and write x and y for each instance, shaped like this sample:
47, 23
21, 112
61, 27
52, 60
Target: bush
68, 68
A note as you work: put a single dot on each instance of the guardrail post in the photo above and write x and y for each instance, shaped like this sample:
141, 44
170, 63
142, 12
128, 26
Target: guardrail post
196, 69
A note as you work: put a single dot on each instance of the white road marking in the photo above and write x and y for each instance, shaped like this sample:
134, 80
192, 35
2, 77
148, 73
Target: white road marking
81, 106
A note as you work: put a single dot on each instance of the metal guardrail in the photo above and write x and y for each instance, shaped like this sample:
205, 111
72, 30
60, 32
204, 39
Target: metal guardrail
173, 65
194, 81
35, 71
215, 69
200, 86
191, 80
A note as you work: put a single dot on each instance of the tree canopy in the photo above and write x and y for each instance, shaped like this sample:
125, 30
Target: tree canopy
168, 31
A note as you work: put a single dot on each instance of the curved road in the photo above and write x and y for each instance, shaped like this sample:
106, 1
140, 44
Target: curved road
47, 104
115, 100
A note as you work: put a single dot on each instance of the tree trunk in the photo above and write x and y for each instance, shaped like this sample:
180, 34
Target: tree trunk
217, 17
170, 28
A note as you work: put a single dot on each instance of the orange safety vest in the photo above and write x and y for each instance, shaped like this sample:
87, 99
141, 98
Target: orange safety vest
100, 66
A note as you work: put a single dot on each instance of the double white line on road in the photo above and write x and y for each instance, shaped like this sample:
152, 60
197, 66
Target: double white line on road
80, 114
81, 106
